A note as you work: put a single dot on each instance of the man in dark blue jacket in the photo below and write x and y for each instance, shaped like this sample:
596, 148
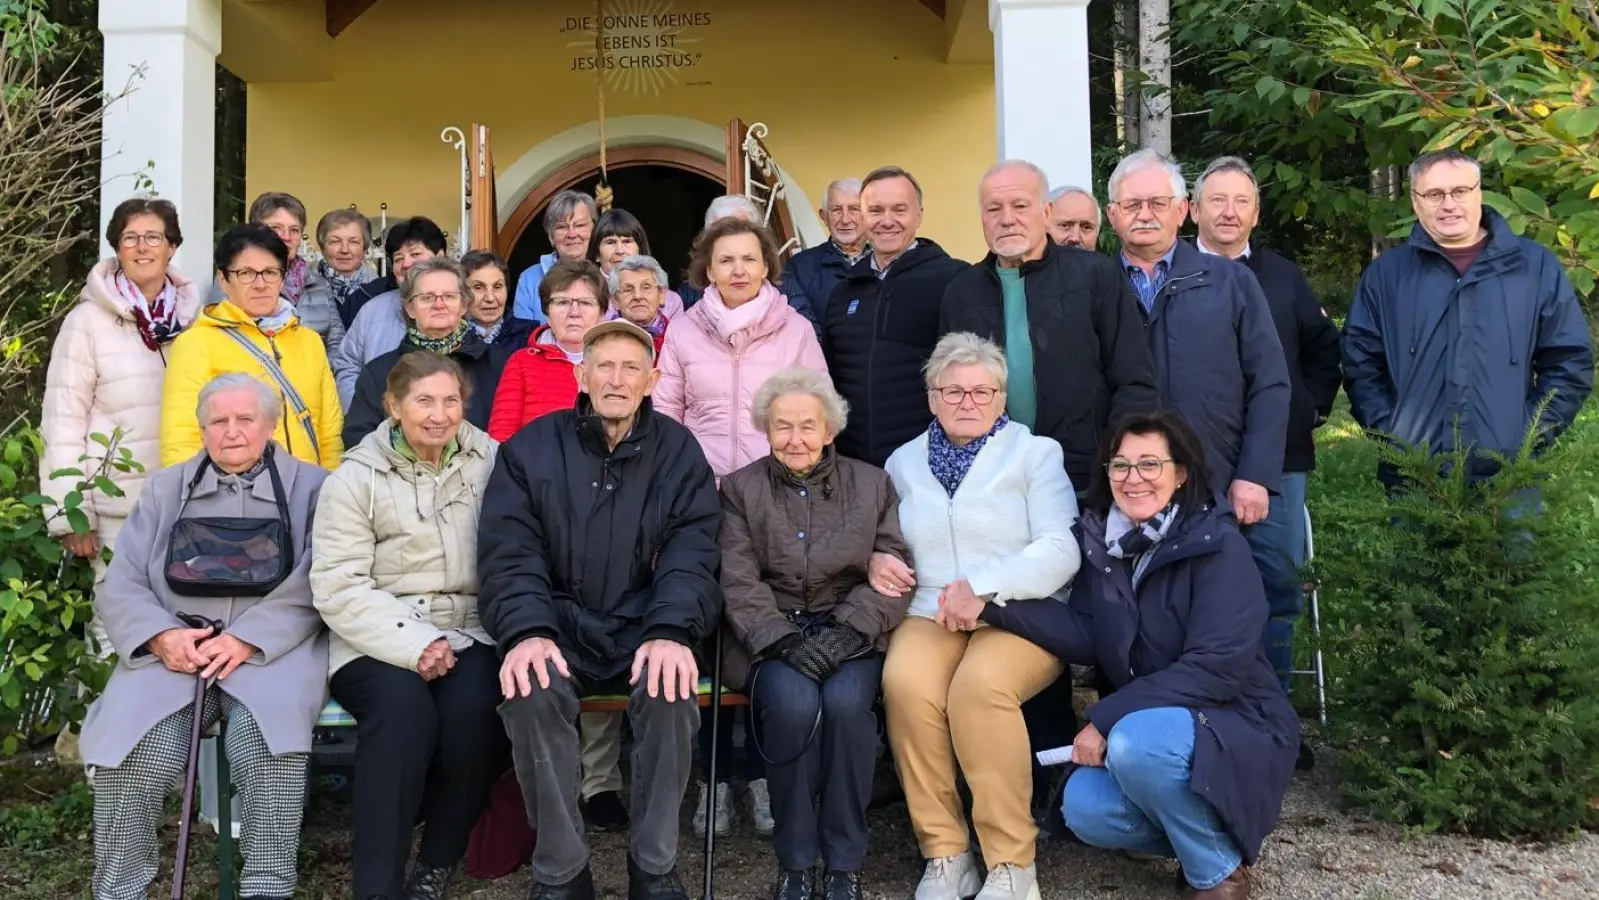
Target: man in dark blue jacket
812, 274
1218, 361
1226, 207
1465, 326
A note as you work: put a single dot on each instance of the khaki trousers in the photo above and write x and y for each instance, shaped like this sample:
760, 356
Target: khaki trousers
600, 752
956, 697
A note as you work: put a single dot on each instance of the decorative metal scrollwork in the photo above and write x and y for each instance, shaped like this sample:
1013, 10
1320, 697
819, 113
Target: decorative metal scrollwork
456, 138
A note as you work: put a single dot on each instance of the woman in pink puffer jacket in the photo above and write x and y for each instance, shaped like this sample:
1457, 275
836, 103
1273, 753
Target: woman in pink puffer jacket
737, 336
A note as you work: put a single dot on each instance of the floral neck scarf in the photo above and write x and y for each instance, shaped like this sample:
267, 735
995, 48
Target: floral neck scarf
280, 319
949, 462
158, 320
341, 285
294, 279
443, 346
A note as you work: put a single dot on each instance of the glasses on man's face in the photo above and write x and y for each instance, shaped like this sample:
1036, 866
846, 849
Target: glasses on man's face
1435, 198
149, 239
449, 298
955, 396
1156, 205
1148, 467
248, 276
562, 304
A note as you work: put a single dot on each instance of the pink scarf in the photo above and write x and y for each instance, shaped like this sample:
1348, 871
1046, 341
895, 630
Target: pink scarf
729, 322
294, 279
157, 320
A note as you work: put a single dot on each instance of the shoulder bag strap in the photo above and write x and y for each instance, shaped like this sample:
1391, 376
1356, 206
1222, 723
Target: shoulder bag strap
301, 411
283, 504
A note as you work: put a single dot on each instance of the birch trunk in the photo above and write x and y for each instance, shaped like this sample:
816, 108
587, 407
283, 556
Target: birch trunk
1129, 105
1154, 52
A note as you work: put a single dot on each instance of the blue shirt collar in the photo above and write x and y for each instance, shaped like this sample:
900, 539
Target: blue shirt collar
1164, 260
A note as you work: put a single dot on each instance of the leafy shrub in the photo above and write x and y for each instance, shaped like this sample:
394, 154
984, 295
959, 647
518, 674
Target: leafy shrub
47, 673
1463, 631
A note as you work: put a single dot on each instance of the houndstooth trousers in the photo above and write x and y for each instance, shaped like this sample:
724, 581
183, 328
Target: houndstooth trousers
129, 801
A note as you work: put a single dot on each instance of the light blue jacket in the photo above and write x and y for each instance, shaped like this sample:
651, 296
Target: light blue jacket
378, 328
527, 290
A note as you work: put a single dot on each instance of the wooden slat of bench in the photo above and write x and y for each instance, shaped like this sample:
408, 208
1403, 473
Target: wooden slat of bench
619, 704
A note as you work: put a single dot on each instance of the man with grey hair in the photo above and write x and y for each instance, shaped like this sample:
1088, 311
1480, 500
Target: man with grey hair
813, 273
569, 223
1226, 208
1465, 332
1218, 361
1074, 217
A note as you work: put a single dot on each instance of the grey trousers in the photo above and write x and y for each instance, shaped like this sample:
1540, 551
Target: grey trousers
544, 748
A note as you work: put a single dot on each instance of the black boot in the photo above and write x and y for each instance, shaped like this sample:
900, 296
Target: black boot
429, 882
606, 812
795, 884
838, 885
579, 888
641, 885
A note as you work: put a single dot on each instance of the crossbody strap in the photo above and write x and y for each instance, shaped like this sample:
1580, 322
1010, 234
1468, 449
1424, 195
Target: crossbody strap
296, 402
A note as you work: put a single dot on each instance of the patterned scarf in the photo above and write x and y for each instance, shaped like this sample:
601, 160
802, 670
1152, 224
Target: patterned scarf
294, 279
951, 463
157, 321
488, 332
280, 318
341, 285
443, 346
249, 475
1126, 540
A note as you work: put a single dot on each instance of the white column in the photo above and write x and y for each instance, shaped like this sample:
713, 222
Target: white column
160, 136
1041, 85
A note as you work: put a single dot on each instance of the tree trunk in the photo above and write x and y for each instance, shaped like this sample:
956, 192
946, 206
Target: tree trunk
1129, 106
1154, 58
1387, 182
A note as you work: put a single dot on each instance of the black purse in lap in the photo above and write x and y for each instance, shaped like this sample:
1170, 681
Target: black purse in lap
230, 556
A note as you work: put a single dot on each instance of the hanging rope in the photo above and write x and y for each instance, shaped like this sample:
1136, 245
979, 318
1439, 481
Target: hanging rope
602, 191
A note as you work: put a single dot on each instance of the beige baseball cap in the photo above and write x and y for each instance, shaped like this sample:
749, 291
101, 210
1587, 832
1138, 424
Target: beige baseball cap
618, 326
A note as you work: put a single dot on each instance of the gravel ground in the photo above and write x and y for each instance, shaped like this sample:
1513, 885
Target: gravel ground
1317, 853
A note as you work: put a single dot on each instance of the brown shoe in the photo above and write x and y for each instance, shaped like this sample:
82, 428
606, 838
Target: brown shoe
1235, 887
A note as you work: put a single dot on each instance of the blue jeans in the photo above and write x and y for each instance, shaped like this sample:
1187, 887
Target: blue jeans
820, 773
1278, 542
1140, 799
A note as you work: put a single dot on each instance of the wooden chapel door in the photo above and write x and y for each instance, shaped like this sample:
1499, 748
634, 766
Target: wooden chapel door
482, 204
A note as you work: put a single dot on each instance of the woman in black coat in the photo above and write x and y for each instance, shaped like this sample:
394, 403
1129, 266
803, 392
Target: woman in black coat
1192, 752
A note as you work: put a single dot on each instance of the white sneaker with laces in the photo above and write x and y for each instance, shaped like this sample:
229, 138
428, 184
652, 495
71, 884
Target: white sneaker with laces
724, 811
1010, 882
950, 878
760, 800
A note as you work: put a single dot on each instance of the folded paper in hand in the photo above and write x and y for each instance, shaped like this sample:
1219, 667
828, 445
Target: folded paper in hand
1056, 757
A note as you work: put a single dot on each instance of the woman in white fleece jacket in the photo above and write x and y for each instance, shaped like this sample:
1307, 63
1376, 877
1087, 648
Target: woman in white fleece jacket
987, 510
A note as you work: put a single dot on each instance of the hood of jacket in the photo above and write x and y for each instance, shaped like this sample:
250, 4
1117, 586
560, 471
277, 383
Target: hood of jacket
376, 450
227, 315
100, 289
926, 251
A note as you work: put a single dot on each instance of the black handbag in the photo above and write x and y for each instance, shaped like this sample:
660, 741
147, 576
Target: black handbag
230, 556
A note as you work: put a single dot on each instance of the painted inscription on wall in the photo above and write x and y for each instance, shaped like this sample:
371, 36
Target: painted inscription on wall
643, 45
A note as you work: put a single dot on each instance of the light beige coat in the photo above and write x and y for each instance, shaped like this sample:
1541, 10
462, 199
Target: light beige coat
396, 550
102, 377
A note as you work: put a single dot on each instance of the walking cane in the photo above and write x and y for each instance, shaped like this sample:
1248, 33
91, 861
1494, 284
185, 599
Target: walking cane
180, 867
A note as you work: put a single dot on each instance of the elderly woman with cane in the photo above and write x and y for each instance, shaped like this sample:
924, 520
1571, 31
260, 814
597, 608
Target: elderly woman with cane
208, 600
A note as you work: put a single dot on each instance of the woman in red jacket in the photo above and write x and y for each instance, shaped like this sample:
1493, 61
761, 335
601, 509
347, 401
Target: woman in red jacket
540, 378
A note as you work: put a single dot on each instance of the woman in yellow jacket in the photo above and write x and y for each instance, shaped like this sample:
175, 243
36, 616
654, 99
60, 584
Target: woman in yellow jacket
254, 330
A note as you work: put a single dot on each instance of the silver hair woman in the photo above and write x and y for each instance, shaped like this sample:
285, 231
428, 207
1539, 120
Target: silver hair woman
639, 294
261, 644
801, 528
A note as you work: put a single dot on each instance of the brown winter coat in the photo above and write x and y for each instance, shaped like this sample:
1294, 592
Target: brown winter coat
792, 544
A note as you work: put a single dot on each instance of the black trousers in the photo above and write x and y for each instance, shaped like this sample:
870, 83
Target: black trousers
438, 743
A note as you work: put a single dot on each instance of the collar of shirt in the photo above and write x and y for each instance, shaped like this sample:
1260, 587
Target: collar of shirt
852, 258
1200, 243
883, 272
1162, 265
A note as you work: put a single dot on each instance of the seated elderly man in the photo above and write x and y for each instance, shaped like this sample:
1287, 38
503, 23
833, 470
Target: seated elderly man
597, 557
186, 598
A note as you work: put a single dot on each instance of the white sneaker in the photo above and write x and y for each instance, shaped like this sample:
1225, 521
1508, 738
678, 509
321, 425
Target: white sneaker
950, 878
724, 811
1010, 882
761, 808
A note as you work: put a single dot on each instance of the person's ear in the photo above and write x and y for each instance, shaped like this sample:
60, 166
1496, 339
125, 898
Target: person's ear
653, 379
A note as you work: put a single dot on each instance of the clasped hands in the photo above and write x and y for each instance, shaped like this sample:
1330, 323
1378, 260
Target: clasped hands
668, 668
190, 650
958, 605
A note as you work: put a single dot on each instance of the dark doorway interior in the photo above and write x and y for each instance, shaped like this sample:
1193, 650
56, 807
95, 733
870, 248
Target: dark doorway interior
670, 202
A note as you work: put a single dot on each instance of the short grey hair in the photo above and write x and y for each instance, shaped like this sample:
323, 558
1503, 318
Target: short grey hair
1070, 189
1022, 164
640, 263
1225, 164
428, 267
847, 185
1147, 159
729, 205
963, 348
267, 400
562, 206
1432, 158
805, 382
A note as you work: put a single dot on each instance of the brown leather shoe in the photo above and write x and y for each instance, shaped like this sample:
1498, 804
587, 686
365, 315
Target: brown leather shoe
1235, 887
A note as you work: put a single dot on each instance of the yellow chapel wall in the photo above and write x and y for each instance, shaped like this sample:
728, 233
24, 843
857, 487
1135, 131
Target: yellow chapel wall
844, 86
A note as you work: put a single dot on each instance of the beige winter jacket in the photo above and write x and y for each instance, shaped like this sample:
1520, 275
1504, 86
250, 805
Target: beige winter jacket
395, 561
102, 377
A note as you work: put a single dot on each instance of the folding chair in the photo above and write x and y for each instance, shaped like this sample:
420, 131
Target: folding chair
1318, 668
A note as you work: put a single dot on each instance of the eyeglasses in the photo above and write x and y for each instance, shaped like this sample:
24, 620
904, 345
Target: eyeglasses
1155, 204
152, 239
248, 276
1435, 198
565, 303
955, 396
449, 297
293, 231
1149, 468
